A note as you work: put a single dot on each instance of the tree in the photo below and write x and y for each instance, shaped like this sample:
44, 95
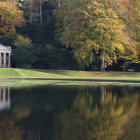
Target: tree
136, 23
23, 52
94, 29
129, 12
10, 18
22, 42
18, 3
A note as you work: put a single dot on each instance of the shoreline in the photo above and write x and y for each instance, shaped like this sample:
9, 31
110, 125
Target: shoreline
76, 79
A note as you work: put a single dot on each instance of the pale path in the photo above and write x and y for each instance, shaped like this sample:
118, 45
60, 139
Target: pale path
50, 73
21, 73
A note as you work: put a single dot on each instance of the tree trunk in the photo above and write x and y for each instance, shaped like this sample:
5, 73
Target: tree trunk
103, 93
31, 17
103, 64
14, 2
40, 12
59, 2
31, 12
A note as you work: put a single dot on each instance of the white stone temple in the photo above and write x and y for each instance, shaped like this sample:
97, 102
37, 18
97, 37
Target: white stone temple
5, 53
4, 98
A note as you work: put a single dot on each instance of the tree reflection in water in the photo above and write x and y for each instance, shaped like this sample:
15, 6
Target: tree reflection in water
8, 128
106, 120
70, 113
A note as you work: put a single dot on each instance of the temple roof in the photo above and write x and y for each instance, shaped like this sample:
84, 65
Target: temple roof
5, 48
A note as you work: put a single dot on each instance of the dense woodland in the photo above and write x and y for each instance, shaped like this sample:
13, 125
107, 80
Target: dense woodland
72, 34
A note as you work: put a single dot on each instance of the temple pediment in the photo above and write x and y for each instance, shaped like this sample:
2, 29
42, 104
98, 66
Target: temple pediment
5, 48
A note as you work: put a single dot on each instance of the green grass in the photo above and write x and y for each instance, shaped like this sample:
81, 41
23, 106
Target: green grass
91, 74
67, 74
22, 73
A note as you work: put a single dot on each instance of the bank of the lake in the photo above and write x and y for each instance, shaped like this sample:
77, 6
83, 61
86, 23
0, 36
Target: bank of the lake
67, 75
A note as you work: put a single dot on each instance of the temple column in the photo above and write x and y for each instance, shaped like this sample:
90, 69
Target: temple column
0, 94
0, 60
4, 94
9, 60
8, 94
4, 60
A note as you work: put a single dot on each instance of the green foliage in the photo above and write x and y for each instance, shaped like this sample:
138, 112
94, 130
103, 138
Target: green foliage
19, 3
60, 59
43, 58
22, 57
22, 42
53, 58
22, 54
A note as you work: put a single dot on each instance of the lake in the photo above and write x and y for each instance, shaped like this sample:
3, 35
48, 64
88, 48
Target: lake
70, 112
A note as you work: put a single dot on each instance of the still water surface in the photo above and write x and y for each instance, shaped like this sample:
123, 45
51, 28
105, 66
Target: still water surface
70, 113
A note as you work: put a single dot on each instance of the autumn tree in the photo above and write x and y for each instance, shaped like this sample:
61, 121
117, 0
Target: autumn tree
94, 29
22, 42
23, 51
10, 18
136, 23
129, 12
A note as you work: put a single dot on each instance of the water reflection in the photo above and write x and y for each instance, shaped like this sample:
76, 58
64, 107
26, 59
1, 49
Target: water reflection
91, 120
71, 113
4, 98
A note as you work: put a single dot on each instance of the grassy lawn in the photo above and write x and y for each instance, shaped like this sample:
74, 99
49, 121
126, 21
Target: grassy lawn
22, 73
95, 75
67, 74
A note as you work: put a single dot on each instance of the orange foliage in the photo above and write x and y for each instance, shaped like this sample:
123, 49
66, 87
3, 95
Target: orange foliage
10, 18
